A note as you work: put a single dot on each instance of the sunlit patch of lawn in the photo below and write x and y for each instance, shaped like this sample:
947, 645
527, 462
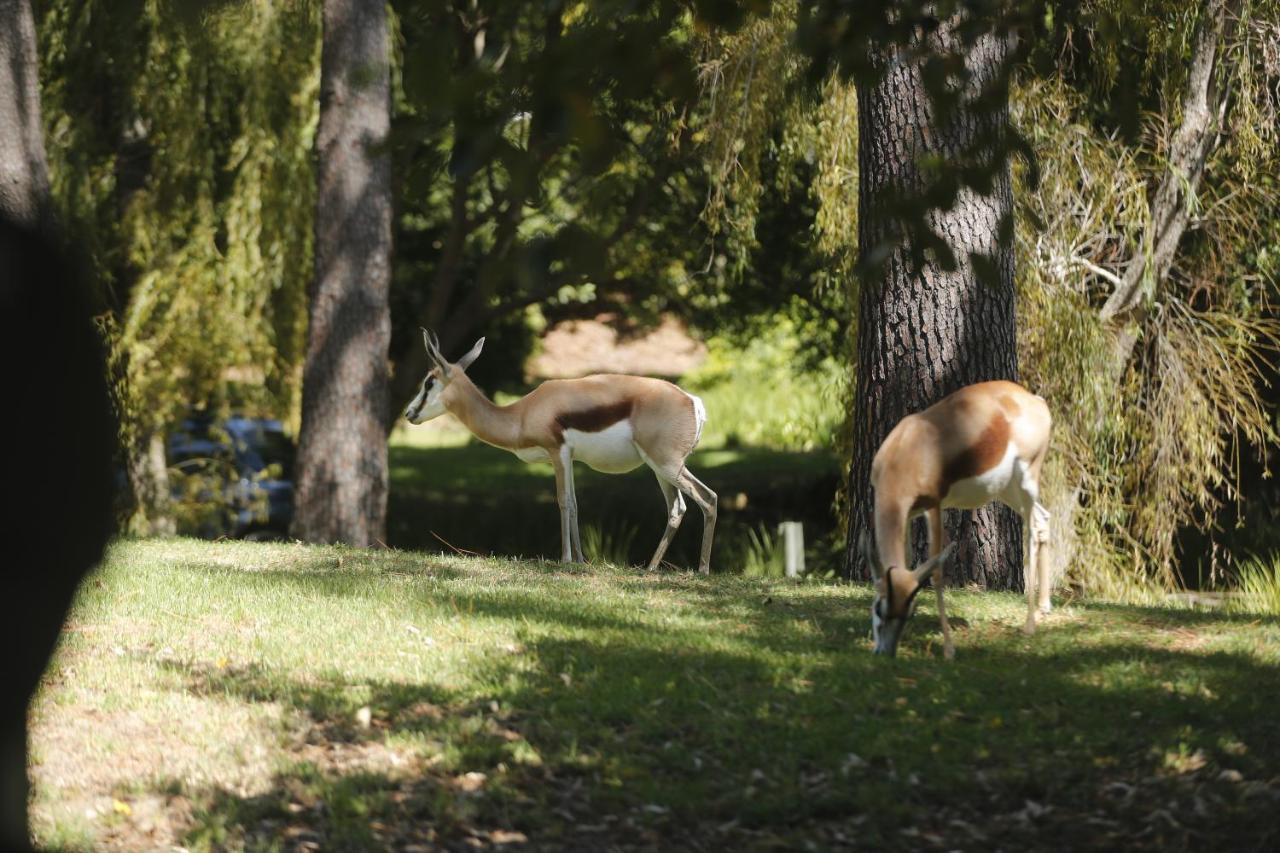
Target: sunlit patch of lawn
228, 695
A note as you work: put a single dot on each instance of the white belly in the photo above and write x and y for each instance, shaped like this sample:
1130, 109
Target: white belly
1003, 482
610, 450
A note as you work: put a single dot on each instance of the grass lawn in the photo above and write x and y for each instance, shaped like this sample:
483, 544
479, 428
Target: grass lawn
446, 488
248, 695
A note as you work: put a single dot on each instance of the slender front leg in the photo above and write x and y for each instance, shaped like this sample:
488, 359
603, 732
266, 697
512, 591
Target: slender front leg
937, 541
706, 501
1029, 571
562, 500
675, 514
1040, 522
575, 540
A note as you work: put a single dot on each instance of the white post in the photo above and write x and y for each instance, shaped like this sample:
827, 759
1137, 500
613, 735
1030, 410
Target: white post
793, 545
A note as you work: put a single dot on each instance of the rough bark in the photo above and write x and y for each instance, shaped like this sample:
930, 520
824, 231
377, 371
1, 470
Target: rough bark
24, 173
924, 332
342, 449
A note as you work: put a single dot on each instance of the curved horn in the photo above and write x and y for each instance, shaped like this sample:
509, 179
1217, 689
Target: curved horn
931, 565
432, 344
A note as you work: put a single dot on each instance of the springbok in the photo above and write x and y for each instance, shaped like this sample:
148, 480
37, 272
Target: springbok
984, 442
613, 423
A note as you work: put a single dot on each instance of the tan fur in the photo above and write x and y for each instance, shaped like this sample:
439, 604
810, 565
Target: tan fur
664, 427
661, 415
963, 436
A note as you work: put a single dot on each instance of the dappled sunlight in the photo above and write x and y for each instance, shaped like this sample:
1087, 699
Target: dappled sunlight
409, 698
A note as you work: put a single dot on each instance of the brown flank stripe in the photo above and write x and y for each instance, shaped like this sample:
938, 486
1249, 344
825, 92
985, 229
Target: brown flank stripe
593, 420
984, 455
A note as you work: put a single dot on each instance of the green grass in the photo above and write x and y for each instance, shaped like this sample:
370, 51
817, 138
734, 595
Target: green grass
1257, 587
448, 492
257, 696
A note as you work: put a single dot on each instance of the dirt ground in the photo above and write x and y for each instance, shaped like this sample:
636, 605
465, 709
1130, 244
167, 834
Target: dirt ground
581, 347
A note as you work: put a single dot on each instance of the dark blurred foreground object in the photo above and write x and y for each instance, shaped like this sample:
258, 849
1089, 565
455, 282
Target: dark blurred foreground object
60, 435
232, 477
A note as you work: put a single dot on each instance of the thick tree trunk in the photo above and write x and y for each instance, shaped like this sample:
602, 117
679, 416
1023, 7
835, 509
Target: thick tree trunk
342, 452
61, 443
925, 332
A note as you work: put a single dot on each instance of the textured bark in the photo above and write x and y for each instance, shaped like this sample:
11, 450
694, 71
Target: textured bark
24, 174
342, 448
925, 332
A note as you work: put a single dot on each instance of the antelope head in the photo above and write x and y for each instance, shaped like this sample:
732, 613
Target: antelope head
895, 599
429, 402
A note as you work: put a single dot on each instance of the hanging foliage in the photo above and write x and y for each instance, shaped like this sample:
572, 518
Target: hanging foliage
181, 158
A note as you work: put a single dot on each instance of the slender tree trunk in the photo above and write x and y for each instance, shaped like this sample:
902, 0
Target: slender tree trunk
1204, 105
925, 332
148, 473
342, 452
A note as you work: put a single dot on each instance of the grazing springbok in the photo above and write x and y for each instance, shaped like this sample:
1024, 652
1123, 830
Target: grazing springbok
985, 442
613, 423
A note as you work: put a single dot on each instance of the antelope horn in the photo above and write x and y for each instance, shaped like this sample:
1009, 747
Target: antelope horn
432, 344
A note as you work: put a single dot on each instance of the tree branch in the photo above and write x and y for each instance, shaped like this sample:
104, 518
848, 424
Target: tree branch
1202, 111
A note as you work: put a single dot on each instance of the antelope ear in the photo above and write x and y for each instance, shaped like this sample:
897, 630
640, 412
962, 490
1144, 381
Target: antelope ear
931, 565
465, 361
869, 554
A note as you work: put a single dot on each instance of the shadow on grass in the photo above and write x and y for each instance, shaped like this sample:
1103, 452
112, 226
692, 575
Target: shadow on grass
750, 722
485, 501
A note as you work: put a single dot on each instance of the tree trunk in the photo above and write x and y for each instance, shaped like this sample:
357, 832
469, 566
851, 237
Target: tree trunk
24, 173
148, 473
62, 440
924, 332
342, 448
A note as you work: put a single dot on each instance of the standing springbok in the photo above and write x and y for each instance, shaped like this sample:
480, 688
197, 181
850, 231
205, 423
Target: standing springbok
612, 422
984, 442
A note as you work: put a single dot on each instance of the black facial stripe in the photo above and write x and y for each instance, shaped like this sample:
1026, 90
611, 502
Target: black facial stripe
426, 389
912, 597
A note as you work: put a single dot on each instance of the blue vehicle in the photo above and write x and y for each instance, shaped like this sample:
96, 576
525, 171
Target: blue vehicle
232, 477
